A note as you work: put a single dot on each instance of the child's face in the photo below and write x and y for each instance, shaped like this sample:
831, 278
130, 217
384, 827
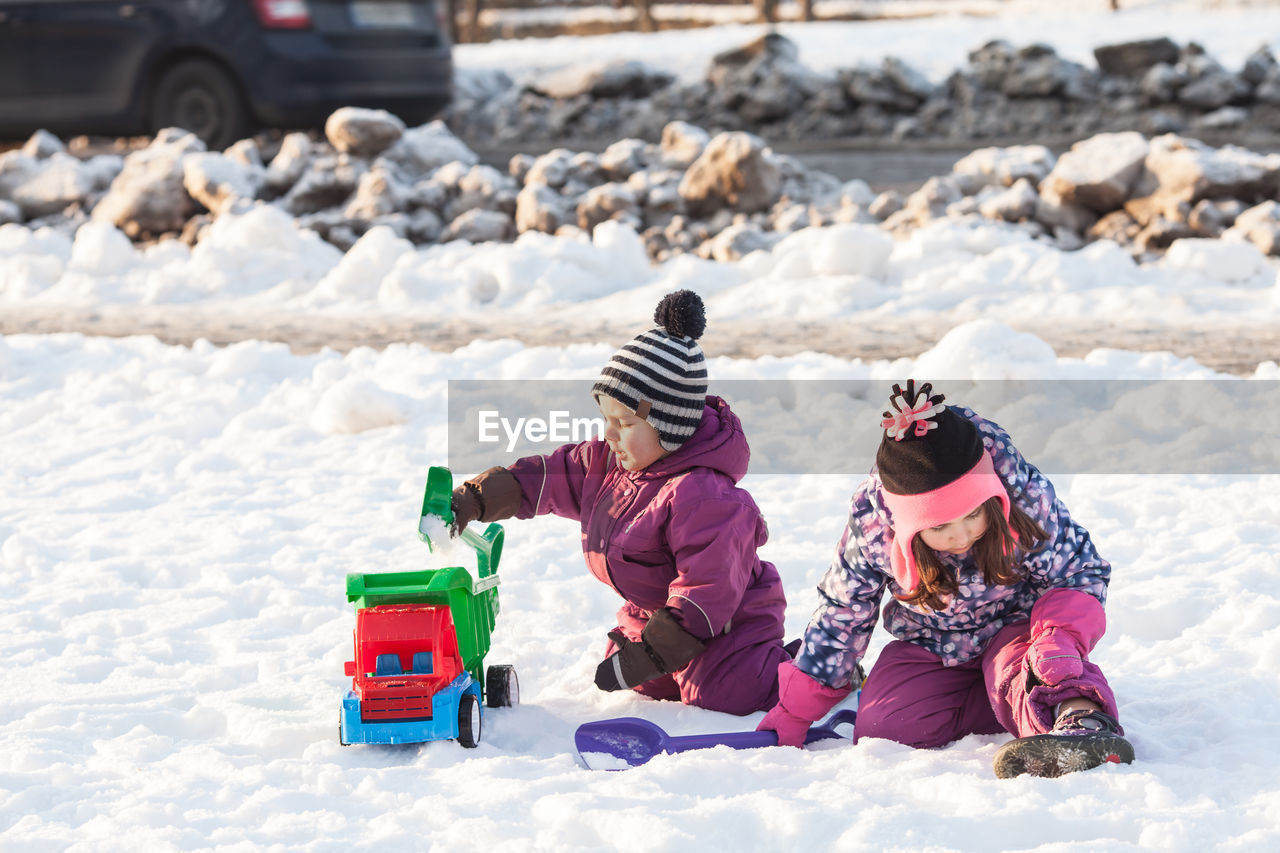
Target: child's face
633, 440
958, 535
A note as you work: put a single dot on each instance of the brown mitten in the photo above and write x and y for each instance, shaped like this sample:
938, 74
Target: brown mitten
491, 496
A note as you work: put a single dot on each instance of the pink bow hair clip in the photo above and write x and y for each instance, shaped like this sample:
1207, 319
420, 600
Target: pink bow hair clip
913, 411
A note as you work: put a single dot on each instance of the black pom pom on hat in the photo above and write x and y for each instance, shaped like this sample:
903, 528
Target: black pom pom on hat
661, 375
681, 314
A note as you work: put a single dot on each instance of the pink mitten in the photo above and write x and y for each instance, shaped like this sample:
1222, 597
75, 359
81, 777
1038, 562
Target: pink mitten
790, 728
801, 701
1055, 657
1065, 626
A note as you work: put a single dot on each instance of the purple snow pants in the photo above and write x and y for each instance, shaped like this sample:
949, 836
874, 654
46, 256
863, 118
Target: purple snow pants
726, 677
911, 698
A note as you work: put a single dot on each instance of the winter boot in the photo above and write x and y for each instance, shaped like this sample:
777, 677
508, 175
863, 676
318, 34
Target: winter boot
1080, 739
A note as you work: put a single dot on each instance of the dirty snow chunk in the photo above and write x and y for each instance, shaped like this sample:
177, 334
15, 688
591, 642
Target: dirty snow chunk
1099, 172
421, 149
357, 405
148, 195
482, 187
540, 208
734, 170
1259, 225
245, 152
43, 144
623, 78
857, 192
1188, 170
682, 143
1213, 90
1133, 58
1004, 166
1224, 117
363, 132
101, 249
1016, 203
480, 226
1221, 260
15, 168
219, 182
60, 180
906, 79
605, 202
551, 169
290, 162
624, 158
378, 193
737, 241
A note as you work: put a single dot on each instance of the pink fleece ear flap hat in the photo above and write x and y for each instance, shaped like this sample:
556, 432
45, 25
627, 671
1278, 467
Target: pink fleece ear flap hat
933, 469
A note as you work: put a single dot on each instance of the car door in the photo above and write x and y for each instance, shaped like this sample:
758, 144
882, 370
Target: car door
17, 63
88, 54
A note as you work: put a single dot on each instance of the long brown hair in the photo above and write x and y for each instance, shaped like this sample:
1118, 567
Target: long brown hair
996, 553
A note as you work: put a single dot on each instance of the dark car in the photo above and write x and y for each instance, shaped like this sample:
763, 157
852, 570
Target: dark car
220, 68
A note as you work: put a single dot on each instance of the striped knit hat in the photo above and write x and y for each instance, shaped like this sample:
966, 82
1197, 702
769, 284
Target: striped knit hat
662, 375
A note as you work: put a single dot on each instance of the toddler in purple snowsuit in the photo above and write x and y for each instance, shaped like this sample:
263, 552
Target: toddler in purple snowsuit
996, 600
663, 523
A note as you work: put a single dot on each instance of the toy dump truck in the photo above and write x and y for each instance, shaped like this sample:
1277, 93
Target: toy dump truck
420, 642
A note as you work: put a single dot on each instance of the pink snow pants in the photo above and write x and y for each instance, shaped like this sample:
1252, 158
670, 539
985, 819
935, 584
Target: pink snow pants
911, 698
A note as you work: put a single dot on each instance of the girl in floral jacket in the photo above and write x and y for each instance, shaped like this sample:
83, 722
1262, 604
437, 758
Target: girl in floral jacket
996, 599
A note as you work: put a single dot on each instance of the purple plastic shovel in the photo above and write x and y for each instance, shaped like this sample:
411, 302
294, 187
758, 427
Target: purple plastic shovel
626, 742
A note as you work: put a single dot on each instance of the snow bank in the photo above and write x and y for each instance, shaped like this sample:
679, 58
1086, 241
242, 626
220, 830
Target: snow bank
960, 270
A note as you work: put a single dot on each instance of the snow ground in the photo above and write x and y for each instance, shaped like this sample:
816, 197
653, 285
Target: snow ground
176, 523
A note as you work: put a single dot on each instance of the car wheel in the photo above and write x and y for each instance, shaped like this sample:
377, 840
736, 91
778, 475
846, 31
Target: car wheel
503, 687
199, 96
469, 721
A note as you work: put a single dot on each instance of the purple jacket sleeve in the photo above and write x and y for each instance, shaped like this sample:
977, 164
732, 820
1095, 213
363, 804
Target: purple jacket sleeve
839, 631
553, 483
714, 543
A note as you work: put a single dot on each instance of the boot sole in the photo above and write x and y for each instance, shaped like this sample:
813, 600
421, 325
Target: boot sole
1050, 756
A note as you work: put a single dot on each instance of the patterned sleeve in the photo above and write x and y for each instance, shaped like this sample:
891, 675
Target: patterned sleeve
849, 602
1067, 558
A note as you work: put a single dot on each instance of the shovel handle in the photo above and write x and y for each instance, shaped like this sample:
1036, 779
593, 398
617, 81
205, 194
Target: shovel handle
753, 740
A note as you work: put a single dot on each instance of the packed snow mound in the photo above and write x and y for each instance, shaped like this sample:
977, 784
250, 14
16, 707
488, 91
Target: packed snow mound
986, 349
356, 405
